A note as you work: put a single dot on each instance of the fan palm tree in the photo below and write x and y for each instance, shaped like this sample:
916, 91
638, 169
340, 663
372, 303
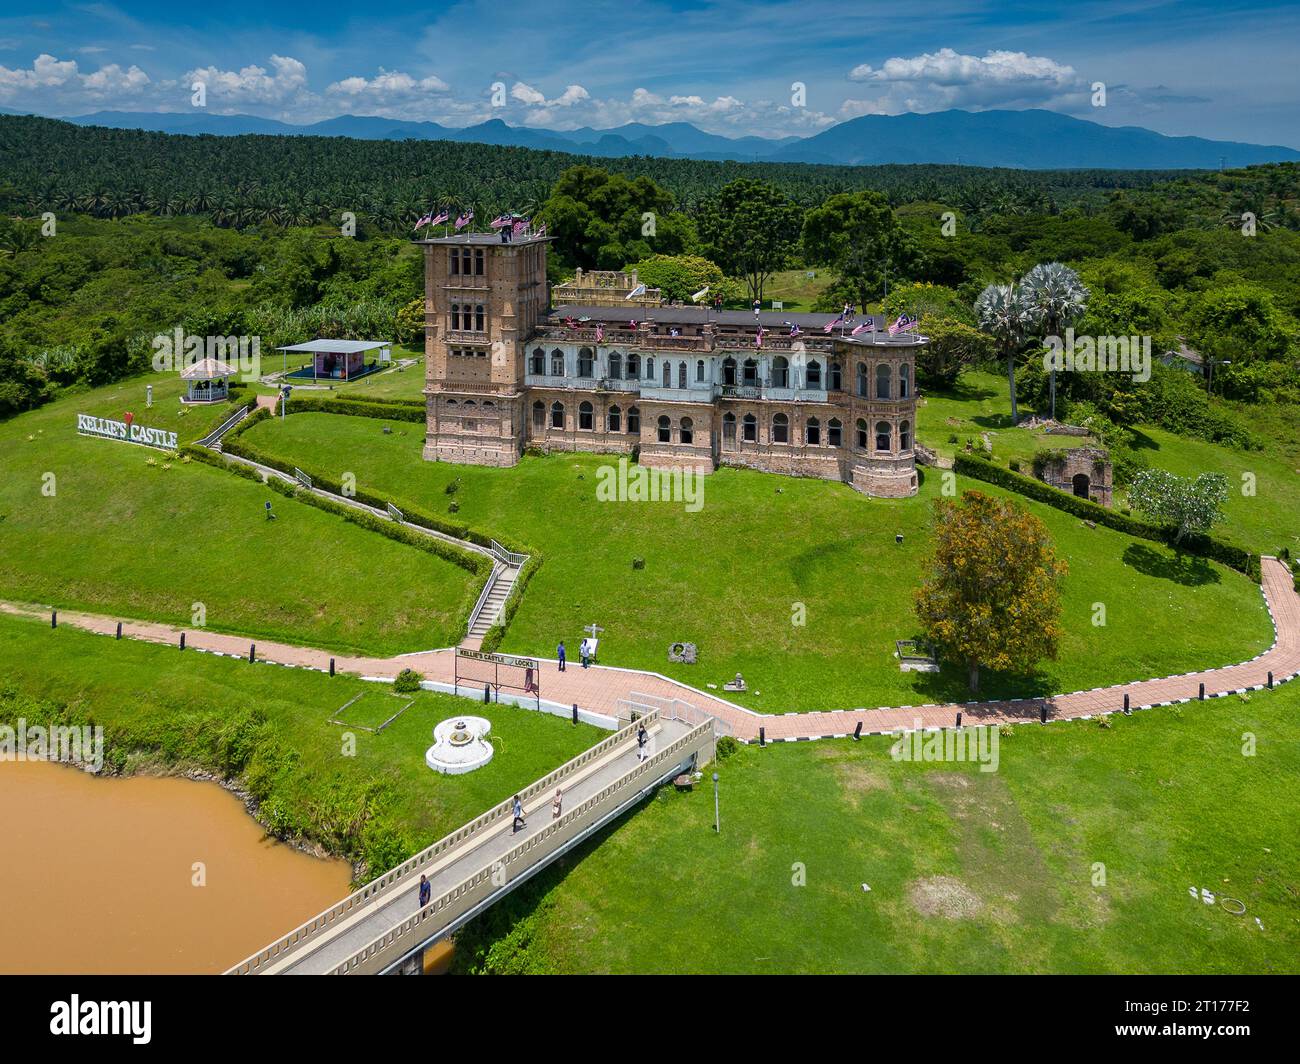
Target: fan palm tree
1004, 315
1055, 297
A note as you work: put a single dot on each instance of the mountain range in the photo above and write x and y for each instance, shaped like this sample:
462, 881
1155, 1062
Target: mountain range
1029, 139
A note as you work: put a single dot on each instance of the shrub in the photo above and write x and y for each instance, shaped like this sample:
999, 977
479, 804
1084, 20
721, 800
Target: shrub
408, 680
725, 747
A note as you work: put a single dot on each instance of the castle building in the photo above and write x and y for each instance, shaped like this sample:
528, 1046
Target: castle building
678, 386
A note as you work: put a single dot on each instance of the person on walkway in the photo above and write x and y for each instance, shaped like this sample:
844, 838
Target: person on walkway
584, 652
426, 891
641, 737
518, 809
559, 653
557, 804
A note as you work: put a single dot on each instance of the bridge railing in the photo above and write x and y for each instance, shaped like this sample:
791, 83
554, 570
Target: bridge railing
638, 704
535, 849
380, 884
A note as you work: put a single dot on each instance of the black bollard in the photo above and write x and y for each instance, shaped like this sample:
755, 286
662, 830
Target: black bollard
575, 712
182, 640
857, 731
54, 618
252, 652
1202, 695
1270, 681
1042, 715
487, 694
1125, 701
331, 666
762, 736
959, 718
119, 631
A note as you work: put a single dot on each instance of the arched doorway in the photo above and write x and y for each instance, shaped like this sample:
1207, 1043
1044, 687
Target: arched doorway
1081, 485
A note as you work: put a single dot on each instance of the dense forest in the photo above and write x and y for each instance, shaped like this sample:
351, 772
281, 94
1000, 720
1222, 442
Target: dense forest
110, 237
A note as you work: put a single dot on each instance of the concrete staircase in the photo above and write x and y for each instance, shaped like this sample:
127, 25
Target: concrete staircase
489, 612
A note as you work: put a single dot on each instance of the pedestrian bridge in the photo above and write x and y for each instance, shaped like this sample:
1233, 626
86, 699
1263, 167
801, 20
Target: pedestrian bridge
382, 928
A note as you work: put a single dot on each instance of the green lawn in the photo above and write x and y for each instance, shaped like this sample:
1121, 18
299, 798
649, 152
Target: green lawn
122, 536
969, 871
796, 289
188, 708
732, 577
394, 383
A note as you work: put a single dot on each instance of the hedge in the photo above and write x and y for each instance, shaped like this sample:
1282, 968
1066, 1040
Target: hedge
493, 636
356, 408
381, 400
1205, 546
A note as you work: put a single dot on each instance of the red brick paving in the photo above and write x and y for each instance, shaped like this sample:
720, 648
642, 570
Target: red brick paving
601, 687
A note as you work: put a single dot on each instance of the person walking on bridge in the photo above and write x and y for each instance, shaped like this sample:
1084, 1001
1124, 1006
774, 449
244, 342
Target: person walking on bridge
426, 891
517, 808
557, 804
641, 737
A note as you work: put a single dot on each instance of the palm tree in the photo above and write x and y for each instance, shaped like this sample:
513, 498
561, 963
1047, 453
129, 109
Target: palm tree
1055, 297
1004, 315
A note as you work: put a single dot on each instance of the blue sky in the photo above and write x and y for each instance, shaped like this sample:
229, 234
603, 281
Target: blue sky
1226, 69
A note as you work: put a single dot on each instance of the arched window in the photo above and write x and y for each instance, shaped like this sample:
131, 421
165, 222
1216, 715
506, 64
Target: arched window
750, 429
835, 433
862, 379
681, 374
728, 370
699, 371
539, 415
780, 429
634, 421
882, 435
615, 365
687, 429
612, 419
478, 317
882, 380
862, 434
584, 415
649, 369
729, 429
749, 373
904, 436
633, 366
557, 363
455, 317
780, 372
451, 402
814, 374
538, 364
837, 378
557, 415
584, 361
668, 373
665, 428
813, 431
904, 382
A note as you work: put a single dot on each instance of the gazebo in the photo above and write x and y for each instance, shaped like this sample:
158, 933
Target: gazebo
207, 381
342, 360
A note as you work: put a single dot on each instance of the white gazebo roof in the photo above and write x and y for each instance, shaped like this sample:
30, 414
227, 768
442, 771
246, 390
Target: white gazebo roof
207, 369
337, 347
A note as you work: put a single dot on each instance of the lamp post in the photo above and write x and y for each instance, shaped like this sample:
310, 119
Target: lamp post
717, 824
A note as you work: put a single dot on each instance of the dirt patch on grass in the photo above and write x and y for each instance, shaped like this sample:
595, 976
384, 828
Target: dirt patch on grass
944, 896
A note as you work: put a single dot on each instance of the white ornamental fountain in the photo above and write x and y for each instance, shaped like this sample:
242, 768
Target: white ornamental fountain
459, 745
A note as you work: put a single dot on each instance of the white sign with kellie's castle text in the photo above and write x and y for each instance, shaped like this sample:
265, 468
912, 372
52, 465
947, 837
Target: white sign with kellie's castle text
89, 425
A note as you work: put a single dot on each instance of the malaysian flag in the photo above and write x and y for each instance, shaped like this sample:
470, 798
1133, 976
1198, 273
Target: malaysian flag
501, 221
441, 217
600, 332
426, 220
758, 337
464, 219
903, 324
794, 328
541, 230
838, 320
520, 227
868, 324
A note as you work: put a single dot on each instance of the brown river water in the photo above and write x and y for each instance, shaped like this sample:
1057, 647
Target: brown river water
99, 875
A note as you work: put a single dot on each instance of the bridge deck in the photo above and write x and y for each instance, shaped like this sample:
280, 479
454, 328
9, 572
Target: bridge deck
332, 946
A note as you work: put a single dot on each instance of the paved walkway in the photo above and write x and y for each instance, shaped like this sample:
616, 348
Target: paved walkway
600, 688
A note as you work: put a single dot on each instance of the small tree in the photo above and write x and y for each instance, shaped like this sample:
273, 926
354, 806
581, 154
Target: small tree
993, 597
1182, 503
1004, 315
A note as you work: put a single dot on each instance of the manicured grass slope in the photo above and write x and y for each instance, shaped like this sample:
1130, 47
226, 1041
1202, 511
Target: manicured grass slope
969, 871
121, 536
169, 702
731, 577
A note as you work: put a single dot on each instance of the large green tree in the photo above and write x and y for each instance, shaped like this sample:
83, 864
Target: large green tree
993, 597
751, 230
856, 234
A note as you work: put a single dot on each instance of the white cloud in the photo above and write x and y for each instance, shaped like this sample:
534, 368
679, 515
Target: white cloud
531, 97
113, 79
388, 85
946, 78
58, 77
252, 84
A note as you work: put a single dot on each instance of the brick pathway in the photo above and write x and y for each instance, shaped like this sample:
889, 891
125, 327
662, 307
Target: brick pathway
600, 687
